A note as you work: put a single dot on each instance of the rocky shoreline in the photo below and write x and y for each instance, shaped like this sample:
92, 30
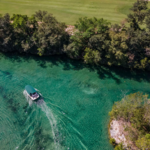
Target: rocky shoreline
119, 134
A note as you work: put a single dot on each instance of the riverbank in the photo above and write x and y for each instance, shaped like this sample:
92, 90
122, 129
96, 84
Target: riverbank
95, 41
117, 131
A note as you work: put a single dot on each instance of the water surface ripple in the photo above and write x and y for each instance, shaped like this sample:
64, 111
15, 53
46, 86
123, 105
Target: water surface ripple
73, 114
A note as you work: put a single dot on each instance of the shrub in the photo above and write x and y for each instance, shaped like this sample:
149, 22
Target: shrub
144, 142
92, 33
92, 56
119, 147
113, 142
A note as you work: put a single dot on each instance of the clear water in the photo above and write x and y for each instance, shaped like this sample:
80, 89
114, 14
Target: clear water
73, 114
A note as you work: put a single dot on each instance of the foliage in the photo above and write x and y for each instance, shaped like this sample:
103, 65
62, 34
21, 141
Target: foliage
95, 41
50, 36
91, 56
6, 34
118, 49
91, 33
139, 12
139, 35
119, 147
128, 106
112, 141
24, 29
147, 113
135, 110
144, 142
26, 34
98, 43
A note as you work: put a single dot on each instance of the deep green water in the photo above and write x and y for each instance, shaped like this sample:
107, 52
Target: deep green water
77, 99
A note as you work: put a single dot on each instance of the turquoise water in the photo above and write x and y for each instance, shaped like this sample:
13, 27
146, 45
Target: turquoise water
73, 114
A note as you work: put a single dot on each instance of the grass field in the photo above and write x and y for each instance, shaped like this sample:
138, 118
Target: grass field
69, 11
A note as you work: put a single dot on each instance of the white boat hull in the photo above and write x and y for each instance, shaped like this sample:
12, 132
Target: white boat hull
33, 97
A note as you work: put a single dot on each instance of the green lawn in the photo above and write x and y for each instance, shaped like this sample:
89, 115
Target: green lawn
69, 11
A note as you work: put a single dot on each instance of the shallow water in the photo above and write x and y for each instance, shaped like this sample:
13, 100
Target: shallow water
77, 99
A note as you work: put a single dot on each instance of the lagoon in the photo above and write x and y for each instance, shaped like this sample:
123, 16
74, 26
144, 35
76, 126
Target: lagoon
76, 101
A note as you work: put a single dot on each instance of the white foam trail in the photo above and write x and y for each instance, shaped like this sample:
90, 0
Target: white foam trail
27, 98
52, 122
40, 103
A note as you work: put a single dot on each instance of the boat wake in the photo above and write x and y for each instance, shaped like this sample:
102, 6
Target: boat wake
41, 104
66, 130
53, 124
65, 134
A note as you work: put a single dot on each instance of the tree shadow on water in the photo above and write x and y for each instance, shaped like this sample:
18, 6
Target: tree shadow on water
104, 72
14, 57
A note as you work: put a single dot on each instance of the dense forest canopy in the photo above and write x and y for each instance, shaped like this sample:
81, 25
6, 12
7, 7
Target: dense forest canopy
40, 33
96, 41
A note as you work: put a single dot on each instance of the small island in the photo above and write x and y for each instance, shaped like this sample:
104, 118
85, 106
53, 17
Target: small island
129, 126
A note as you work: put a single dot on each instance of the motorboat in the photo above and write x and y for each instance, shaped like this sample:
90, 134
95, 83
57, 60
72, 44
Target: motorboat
31, 92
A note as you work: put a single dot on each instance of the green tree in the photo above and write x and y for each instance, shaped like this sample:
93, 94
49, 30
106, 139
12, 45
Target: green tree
119, 147
147, 20
91, 33
19, 21
139, 12
144, 142
24, 28
134, 110
41, 33
138, 35
131, 109
92, 56
6, 34
117, 54
50, 37
113, 142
